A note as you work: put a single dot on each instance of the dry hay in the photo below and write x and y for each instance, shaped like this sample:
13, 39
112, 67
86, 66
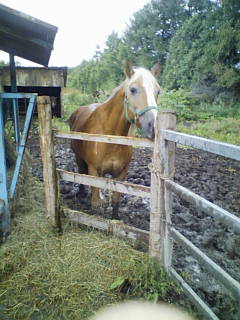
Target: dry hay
44, 275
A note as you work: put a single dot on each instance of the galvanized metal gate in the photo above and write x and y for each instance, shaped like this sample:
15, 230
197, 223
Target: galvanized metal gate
225, 217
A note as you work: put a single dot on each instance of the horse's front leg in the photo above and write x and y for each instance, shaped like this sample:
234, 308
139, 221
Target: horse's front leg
82, 168
116, 195
96, 201
115, 205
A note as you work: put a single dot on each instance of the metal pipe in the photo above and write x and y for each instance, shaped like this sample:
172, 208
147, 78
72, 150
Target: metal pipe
15, 101
208, 263
220, 148
206, 206
199, 303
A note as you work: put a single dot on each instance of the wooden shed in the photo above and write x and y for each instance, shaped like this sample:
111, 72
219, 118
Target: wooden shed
43, 81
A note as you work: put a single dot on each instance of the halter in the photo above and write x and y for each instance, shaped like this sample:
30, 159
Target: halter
127, 107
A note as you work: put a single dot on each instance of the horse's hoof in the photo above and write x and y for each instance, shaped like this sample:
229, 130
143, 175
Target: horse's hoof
115, 214
115, 217
98, 210
82, 191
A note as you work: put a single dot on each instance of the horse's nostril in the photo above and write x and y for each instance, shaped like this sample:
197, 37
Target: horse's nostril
151, 131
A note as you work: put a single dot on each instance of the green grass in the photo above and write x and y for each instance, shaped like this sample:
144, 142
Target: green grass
217, 121
60, 124
191, 107
225, 130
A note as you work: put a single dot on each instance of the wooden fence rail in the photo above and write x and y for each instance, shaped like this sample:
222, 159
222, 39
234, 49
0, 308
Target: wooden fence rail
161, 234
129, 141
105, 183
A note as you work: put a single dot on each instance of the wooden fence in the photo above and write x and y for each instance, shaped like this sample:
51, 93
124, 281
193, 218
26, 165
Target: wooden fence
162, 234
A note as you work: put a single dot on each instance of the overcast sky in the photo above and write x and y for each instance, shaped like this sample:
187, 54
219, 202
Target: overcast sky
82, 24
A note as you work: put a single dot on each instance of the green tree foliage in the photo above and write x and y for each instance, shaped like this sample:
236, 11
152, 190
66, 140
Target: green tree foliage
196, 41
152, 28
111, 62
205, 52
3, 63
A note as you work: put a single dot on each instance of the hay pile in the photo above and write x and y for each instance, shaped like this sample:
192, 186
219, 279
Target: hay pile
44, 275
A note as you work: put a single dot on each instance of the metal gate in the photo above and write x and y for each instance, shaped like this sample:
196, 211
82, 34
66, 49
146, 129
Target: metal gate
8, 103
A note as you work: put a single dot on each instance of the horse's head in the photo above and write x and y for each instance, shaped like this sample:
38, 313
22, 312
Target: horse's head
141, 92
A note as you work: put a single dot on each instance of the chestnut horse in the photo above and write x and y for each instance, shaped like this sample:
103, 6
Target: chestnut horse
134, 101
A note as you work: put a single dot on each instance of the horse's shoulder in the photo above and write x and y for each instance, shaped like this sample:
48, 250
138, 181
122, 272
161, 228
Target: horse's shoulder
94, 106
79, 117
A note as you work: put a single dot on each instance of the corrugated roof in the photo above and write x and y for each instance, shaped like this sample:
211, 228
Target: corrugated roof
26, 36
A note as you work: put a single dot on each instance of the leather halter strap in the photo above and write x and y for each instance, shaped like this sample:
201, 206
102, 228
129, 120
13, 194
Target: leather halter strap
128, 107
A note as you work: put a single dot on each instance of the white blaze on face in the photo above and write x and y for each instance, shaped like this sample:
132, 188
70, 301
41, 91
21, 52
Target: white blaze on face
150, 85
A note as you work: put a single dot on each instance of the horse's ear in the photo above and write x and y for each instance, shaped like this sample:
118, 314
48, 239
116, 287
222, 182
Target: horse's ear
128, 69
156, 69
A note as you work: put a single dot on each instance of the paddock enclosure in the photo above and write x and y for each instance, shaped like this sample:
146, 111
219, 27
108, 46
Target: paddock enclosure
162, 235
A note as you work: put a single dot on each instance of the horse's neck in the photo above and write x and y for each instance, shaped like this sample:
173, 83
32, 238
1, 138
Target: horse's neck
116, 122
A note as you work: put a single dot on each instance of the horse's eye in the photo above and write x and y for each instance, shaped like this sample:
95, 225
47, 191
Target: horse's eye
159, 91
133, 90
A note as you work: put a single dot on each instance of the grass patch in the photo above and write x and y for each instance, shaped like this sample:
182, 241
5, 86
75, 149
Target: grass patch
225, 130
60, 124
44, 275
191, 107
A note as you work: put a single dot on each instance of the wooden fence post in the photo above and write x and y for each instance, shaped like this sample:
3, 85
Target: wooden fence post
50, 177
161, 199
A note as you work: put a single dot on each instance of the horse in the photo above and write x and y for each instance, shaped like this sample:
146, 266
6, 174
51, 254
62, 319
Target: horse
132, 102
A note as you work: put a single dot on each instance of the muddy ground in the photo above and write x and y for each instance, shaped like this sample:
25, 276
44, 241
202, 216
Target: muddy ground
213, 177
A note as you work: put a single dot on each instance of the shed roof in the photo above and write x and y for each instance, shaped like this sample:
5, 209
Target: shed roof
25, 36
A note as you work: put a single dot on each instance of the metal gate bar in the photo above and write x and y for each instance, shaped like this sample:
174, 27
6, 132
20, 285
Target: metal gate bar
4, 205
225, 217
208, 263
22, 143
206, 206
198, 302
220, 148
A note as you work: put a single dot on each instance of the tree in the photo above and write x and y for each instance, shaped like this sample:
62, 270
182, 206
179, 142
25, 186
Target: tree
152, 28
3, 63
206, 50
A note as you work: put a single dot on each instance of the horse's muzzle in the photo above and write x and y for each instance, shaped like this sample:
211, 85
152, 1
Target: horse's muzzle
147, 122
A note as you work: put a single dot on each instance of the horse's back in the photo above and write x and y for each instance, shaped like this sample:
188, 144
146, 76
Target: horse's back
80, 116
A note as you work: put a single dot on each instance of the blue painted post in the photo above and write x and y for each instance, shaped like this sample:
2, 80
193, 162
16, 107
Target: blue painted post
15, 101
4, 207
22, 144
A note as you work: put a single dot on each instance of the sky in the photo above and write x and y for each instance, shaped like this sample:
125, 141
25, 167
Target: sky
82, 25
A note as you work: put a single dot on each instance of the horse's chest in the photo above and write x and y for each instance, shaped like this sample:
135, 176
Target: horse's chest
115, 160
